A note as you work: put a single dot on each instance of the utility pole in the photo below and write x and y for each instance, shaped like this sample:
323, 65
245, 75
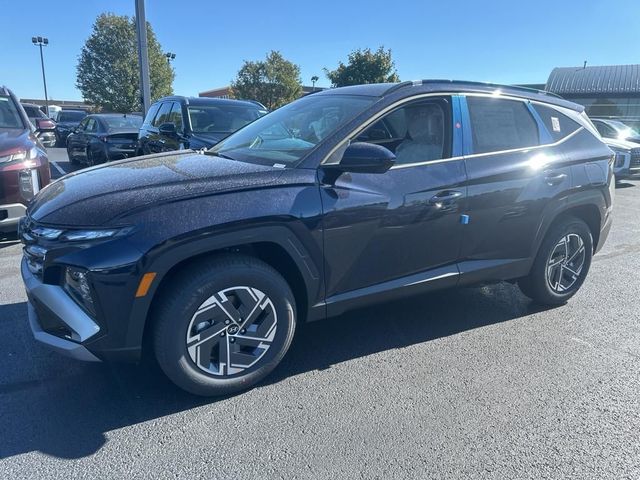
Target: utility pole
143, 57
40, 42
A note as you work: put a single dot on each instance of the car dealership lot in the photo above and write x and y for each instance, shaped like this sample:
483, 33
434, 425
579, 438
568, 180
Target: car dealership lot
470, 383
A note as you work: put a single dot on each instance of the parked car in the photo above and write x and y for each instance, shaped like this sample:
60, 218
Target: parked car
45, 127
24, 167
615, 129
103, 137
627, 162
67, 122
348, 197
177, 123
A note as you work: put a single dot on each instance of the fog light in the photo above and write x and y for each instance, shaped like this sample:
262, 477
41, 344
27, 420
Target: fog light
76, 284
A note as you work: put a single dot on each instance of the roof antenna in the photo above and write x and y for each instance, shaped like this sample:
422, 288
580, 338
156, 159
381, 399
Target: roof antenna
585, 65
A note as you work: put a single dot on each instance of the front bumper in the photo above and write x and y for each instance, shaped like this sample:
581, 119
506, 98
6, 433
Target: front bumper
10, 216
66, 325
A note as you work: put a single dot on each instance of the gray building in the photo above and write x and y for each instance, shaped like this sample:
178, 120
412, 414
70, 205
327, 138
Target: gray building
607, 91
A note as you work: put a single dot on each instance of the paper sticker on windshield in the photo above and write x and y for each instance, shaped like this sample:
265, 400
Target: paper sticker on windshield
555, 123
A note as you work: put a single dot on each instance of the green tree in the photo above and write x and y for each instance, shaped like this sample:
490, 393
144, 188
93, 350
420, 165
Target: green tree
107, 70
364, 66
273, 82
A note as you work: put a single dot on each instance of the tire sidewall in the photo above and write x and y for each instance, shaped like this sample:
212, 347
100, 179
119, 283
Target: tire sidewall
172, 349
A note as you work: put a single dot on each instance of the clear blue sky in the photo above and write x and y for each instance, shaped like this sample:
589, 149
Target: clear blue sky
499, 41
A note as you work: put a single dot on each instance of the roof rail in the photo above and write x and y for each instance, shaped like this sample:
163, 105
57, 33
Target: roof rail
480, 84
4, 90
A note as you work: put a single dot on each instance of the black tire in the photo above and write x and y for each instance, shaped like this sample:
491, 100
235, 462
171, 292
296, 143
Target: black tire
538, 284
176, 318
90, 157
72, 159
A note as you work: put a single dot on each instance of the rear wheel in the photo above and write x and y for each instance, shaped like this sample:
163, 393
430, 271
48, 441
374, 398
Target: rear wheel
223, 325
562, 263
72, 158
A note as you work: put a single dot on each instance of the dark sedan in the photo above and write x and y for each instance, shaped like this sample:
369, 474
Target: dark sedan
103, 137
67, 122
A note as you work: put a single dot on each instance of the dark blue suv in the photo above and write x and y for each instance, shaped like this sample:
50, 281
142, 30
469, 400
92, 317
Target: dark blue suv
345, 198
179, 123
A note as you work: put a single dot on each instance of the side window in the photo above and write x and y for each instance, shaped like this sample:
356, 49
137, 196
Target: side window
176, 116
419, 131
163, 114
83, 125
92, 125
558, 124
498, 124
151, 114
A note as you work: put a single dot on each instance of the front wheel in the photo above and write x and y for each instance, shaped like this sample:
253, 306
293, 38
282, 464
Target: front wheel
223, 325
562, 263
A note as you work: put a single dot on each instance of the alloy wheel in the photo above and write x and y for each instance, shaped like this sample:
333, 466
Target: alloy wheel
231, 331
565, 263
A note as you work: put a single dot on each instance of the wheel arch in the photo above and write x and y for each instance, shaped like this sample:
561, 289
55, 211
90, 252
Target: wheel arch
276, 246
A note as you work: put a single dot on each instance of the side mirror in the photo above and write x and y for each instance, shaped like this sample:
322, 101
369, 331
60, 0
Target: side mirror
362, 157
168, 128
45, 124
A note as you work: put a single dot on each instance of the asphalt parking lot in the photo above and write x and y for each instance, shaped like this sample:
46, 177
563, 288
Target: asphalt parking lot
468, 383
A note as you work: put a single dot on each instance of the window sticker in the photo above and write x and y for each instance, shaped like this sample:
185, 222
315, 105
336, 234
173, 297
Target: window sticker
555, 124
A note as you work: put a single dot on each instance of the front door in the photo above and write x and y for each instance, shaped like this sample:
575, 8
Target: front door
393, 233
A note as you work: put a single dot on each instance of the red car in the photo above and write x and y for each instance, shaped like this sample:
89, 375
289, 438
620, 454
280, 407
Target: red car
24, 166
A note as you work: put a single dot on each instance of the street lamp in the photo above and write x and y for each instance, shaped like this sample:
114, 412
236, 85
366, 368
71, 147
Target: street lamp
40, 42
170, 56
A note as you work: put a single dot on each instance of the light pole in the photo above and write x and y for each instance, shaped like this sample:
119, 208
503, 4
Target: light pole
42, 42
143, 57
170, 56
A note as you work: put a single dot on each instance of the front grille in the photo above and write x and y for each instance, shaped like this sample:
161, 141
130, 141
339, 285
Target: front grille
635, 159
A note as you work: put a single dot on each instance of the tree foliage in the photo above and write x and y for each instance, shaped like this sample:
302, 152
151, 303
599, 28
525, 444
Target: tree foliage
107, 70
273, 82
364, 66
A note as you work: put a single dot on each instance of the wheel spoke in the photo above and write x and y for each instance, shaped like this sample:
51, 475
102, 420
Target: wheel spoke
231, 331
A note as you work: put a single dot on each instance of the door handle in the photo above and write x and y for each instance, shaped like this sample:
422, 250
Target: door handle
554, 178
445, 197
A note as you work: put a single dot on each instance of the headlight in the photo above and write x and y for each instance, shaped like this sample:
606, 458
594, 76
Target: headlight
20, 155
76, 285
79, 235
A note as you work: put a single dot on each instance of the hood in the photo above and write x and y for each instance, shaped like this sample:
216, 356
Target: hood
12, 139
620, 144
108, 192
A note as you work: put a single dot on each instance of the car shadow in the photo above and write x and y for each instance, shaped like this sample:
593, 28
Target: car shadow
65, 408
624, 184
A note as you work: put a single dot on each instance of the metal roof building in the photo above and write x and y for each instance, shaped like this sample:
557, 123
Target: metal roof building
611, 91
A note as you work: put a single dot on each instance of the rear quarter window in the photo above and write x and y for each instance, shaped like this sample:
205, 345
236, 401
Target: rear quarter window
558, 124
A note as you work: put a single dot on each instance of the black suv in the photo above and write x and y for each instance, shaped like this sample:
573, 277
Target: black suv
340, 199
179, 123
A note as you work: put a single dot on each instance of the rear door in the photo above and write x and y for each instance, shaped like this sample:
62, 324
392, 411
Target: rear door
514, 171
397, 232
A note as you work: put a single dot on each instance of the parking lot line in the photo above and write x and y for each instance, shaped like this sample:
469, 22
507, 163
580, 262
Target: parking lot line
60, 170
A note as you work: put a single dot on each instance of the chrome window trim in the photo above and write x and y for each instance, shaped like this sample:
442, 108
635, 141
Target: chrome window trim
356, 131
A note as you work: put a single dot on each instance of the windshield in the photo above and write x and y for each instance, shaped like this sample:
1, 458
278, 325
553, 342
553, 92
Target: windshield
130, 121
221, 118
67, 116
286, 135
33, 112
622, 128
9, 116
